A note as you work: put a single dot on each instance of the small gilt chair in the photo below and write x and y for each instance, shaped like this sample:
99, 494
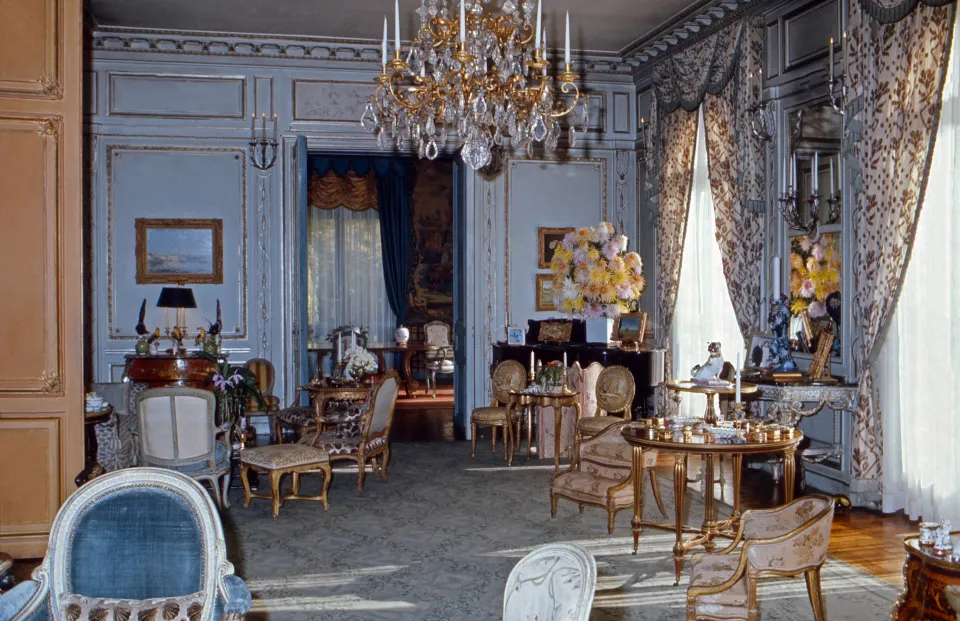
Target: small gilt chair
374, 439
269, 404
509, 375
615, 390
439, 355
601, 475
786, 541
555, 582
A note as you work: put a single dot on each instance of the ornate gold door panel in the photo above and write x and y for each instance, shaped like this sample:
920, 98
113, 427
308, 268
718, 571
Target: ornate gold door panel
41, 260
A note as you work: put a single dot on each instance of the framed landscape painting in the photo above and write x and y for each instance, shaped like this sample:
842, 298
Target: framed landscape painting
179, 251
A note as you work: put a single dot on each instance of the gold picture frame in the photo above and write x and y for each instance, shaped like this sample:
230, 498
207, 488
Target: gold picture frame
546, 294
630, 327
555, 332
818, 370
545, 237
177, 251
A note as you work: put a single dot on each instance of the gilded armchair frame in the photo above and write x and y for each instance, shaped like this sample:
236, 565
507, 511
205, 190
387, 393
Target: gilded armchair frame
508, 375
610, 401
747, 569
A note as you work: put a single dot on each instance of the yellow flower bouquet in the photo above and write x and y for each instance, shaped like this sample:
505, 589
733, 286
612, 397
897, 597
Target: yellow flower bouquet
594, 275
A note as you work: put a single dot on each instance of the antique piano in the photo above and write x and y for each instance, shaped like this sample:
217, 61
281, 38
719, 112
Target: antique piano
646, 365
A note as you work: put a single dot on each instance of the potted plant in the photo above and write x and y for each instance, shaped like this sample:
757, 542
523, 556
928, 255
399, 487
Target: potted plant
552, 377
360, 364
234, 384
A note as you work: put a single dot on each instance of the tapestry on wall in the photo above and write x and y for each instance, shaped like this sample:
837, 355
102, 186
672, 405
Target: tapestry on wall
431, 262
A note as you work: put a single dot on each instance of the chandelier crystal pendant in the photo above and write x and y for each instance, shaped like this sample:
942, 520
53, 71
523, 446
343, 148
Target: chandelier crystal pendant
482, 76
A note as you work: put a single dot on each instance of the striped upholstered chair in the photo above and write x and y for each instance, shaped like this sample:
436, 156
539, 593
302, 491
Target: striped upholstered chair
269, 404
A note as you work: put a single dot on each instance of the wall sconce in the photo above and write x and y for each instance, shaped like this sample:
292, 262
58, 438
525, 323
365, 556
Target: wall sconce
837, 84
642, 139
762, 123
263, 152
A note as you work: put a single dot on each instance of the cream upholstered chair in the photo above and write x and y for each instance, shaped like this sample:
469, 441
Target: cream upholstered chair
439, 355
509, 375
555, 582
374, 439
268, 404
601, 475
786, 541
614, 392
178, 431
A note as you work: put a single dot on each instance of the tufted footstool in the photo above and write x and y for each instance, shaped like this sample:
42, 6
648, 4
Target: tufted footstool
278, 460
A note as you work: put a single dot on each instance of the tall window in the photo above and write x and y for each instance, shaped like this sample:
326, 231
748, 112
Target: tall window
919, 365
345, 274
704, 311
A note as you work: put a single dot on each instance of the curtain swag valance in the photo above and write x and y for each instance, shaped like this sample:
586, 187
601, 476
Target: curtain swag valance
349, 190
683, 79
891, 11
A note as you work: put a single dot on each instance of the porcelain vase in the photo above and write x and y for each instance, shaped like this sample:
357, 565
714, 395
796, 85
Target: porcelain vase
598, 330
402, 336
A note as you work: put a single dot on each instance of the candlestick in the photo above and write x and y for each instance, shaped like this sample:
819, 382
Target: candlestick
738, 377
463, 23
539, 15
263, 124
253, 127
776, 277
275, 126
566, 55
831, 177
830, 62
396, 25
383, 46
532, 363
564, 359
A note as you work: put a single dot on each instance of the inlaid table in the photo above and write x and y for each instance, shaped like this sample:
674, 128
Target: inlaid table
710, 415
926, 577
321, 392
686, 441
528, 399
410, 385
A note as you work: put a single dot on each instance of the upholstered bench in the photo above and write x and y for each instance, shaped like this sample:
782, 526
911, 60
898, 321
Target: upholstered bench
278, 460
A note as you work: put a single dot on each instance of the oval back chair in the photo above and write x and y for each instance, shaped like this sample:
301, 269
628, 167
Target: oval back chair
555, 582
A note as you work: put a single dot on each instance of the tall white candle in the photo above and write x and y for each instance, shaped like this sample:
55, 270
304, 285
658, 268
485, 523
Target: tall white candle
463, 23
539, 14
566, 54
776, 277
793, 171
738, 377
383, 47
253, 131
564, 359
831, 177
274, 125
532, 363
396, 24
353, 340
843, 52
830, 61
815, 172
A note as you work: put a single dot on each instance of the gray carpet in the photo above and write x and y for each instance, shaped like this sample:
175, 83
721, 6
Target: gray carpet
437, 542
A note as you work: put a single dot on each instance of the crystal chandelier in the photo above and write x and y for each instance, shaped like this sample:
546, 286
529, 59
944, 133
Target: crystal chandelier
483, 76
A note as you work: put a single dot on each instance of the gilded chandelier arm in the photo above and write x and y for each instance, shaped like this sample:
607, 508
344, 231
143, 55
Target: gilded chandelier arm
564, 111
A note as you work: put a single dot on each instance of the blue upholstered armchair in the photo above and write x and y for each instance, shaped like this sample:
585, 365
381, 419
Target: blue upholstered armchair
145, 540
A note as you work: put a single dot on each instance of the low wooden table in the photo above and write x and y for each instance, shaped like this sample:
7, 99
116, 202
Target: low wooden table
926, 577
410, 385
557, 401
158, 370
710, 415
92, 468
646, 435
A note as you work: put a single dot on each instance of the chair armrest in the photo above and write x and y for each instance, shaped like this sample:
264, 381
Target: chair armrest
238, 600
20, 603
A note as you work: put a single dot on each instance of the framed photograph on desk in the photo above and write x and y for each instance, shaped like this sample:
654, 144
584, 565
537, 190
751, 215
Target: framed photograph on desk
630, 327
758, 355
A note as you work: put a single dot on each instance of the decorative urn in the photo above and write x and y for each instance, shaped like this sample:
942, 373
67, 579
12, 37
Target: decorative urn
402, 336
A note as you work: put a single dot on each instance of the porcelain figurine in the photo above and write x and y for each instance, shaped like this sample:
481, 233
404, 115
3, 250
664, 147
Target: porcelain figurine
709, 370
781, 358
402, 336
146, 338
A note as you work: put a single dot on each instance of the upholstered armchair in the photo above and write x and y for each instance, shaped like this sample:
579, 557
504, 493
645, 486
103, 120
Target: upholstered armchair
376, 419
601, 475
615, 389
786, 541
439, 355
140, 543
509, 375
555, 582
178, 431
546, 421
268, 404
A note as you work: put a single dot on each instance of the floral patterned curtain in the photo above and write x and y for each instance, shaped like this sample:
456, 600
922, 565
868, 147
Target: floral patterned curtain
349, 190
890, 11
898, 70
735, 162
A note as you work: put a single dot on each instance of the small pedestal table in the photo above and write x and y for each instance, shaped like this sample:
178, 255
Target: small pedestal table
556, 400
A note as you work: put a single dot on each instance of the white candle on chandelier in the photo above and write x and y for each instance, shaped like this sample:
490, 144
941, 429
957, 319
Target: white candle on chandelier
738, 377
383, 47
536, 39
815, 172
793, 171
776, 278
274, 126
396, 24
463, 23
830, 61
831, 177
843, 52
532, 362
564, 360
253, 131
566, 53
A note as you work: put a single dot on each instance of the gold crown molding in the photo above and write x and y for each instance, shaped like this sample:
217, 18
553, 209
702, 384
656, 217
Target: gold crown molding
601, 165
116, 150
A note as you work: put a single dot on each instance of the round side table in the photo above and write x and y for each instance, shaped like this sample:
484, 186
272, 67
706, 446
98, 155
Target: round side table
710, 415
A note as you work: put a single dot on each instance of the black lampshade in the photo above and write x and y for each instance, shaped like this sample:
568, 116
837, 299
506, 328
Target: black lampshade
176, 297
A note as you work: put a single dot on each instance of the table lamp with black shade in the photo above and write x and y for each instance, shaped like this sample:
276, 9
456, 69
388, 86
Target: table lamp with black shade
179, 298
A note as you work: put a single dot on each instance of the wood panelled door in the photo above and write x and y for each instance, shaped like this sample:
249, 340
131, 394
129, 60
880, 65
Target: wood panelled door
41, 259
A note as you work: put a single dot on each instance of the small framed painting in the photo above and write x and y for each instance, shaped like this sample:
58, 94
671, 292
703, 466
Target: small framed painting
179, 251
546, 294
630, 327
546, 237
555, 332
516, 335
758, 356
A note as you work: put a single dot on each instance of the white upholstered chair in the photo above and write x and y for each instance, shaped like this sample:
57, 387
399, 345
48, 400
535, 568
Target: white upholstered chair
178, 432
438, 359
555, 582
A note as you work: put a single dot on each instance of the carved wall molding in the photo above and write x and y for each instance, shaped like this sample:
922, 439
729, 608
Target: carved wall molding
45, 81
263, 264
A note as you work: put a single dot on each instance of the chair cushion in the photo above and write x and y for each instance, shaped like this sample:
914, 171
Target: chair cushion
221, 457
615, 454
592, 488
346, 415
298, 416
713, 569
329, 442
492, 416
592, 425
277, 456
76, 607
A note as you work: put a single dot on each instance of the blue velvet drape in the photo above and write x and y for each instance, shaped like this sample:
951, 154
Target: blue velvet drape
395, 179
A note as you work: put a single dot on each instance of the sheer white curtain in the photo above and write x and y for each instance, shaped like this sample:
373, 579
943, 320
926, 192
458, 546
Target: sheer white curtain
704, 310
345, 283
919, 365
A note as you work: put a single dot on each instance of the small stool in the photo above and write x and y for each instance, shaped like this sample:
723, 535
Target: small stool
278, 460
6, 572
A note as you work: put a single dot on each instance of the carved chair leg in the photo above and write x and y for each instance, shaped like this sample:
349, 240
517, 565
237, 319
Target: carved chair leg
327, 475
655, 484
275, 491
611, 517
473, 439
225, 490
580, 507
384, 460
506, 448
295, 476
215, 484
247, 494
553, 504
361, 475
816, 596
493, 439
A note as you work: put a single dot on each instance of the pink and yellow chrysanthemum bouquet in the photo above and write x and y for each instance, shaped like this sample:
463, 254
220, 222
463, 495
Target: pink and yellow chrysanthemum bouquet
593, 274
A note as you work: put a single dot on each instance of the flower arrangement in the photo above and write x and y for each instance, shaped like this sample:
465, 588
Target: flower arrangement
594, 275
234, 384
360, 363
551, 374
814, 274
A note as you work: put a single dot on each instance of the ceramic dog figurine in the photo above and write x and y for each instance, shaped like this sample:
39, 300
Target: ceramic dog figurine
710, 369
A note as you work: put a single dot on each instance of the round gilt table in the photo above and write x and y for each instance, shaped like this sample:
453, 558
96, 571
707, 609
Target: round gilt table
710, 415
556, 400
926, 578
683, 443
322, 392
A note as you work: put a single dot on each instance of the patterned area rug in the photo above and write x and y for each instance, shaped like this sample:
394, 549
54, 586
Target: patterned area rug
438, 541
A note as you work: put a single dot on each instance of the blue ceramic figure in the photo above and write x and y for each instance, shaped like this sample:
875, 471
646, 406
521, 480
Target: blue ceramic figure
779, 319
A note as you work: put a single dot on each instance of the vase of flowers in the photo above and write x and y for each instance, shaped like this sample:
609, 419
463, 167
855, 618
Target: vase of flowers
551, 377
359, 363
595, 278
234, 384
